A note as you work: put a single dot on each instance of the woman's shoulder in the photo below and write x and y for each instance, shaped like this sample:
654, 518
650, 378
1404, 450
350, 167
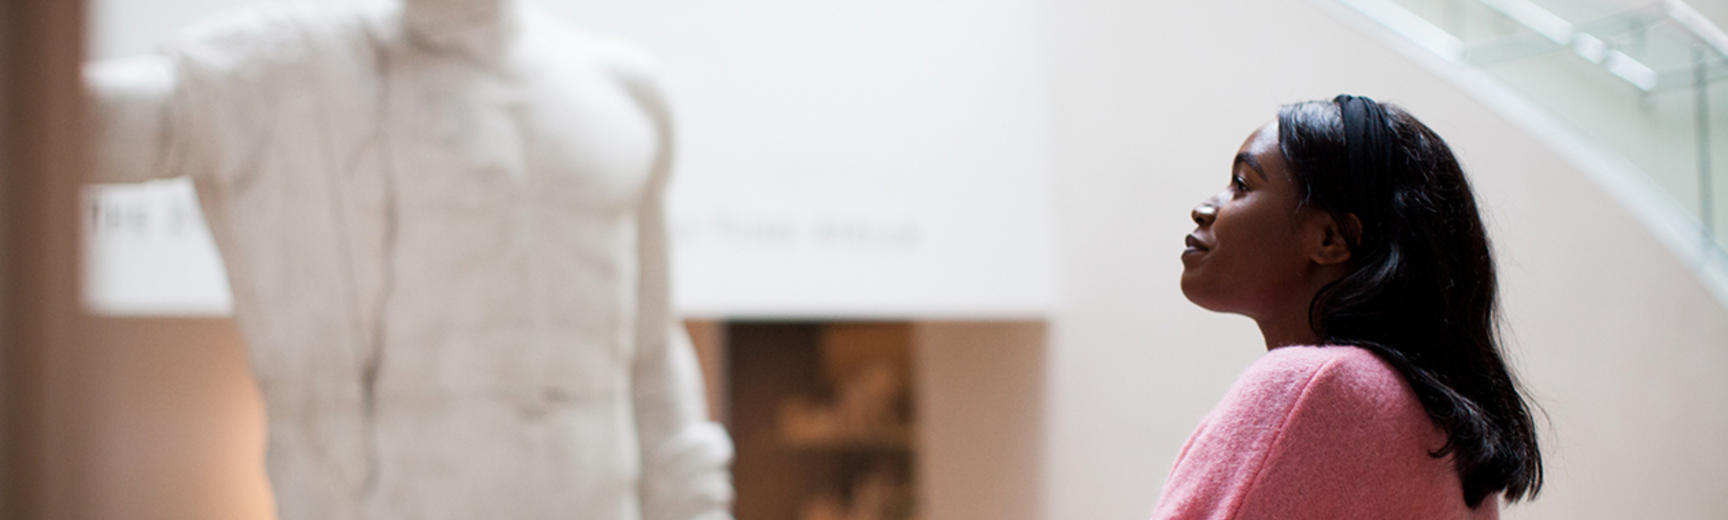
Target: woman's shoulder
1339, 370
1324, 358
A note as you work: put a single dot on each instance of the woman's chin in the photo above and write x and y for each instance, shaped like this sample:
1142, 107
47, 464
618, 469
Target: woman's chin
1191, 288
1199, 293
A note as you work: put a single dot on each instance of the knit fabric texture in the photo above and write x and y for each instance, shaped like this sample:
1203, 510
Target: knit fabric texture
1326, 432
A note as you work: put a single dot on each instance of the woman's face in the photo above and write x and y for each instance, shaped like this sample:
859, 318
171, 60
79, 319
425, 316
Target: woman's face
1249, 250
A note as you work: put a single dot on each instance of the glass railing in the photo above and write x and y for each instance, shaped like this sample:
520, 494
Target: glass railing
1648, 84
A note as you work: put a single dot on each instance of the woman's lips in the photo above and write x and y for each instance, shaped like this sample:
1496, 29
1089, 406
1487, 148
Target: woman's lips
1194, 245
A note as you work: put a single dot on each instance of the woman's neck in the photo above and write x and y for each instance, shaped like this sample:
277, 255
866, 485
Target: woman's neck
1286, 329
479, 29
1286, 321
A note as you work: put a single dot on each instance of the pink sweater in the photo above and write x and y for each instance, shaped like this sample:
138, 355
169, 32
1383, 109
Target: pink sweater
1318, 433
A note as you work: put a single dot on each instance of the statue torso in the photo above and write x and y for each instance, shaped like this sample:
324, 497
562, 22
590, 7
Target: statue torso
434, 263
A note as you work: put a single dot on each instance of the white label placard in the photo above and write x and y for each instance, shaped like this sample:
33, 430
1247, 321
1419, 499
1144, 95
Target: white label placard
148, 252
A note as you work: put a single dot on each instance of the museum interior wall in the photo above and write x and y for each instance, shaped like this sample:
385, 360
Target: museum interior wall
961, 300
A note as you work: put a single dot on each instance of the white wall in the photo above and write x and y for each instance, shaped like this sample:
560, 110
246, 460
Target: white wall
1618, 341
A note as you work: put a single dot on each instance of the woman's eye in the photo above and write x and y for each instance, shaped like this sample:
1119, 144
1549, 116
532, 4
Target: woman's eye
1238, 183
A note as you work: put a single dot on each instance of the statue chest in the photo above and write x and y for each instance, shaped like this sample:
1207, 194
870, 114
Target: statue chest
514, 198
566, 139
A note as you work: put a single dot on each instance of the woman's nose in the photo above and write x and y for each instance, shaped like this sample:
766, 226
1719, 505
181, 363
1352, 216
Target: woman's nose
1204, 213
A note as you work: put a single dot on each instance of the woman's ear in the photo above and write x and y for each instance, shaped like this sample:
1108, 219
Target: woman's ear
1334, 247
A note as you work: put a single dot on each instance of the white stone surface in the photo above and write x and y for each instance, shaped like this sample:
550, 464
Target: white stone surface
444, 232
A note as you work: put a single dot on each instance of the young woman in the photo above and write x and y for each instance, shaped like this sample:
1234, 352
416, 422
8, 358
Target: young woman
1350, 235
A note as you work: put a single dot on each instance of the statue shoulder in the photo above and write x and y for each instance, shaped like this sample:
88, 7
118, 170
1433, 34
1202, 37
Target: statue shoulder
632, 64
633, 69
623, 62
256, 40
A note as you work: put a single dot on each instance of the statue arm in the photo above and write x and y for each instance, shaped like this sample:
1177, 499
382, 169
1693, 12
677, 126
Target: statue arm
135, 120
685, 457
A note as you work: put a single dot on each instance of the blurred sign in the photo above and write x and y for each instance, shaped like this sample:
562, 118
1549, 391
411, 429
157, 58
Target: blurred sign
935, 248
830, 254
149, 252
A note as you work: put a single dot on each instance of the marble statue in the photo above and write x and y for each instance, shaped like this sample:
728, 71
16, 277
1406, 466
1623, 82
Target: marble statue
443, 227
